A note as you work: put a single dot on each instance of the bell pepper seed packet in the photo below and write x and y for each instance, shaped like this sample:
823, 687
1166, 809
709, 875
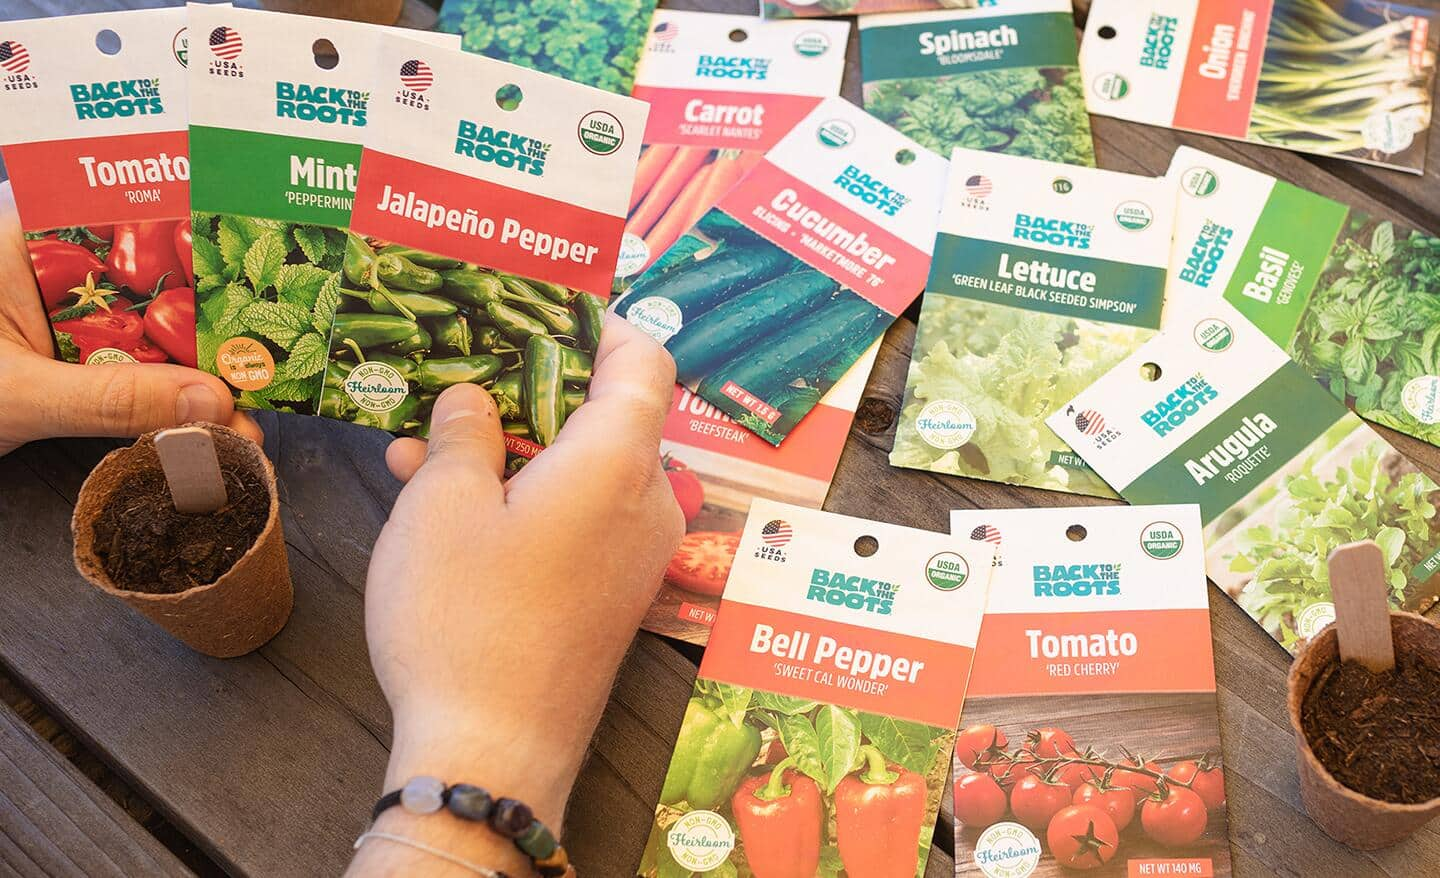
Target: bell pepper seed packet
96, 150
489, 207
1348, 295
1001, 78
813, 8
819, 732
1091, 708
717, 468
278, 109
596, 42
1351, 81
803, 264
722, 89
1213, 412
1045, 276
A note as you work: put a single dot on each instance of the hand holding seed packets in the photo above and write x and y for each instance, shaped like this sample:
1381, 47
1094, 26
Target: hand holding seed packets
823, 716
776, 292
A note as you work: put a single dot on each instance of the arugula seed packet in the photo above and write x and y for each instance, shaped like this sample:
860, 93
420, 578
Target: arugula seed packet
1045, 276
488, 212
812, 8
1212, 412
776, 292
1350, 80
92, 126
278, 108
722, 89
1003, 78
818, 737
1091, 709
1350, 296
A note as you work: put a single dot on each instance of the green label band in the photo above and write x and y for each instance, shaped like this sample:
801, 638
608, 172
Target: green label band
292, 179
967, 45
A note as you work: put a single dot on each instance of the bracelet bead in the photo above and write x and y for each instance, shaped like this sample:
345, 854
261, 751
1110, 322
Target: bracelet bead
510, 817
536, 841
470, 802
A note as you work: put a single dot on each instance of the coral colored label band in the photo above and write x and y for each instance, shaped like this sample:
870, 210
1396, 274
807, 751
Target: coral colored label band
721, 119
1218, 90
90, 180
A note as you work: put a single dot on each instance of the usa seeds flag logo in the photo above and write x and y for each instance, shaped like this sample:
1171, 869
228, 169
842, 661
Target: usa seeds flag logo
1090, 422
979, 186
776, 533
14, 58
986, 534
416, 75
225, 43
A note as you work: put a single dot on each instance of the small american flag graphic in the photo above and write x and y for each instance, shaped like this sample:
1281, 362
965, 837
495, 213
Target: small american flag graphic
225, 43
666, 31
776, 533
14, 58
986, 533
1090, 422
416, 75
979, 186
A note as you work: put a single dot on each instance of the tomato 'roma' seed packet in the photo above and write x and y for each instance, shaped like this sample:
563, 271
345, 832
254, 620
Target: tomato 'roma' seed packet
812, 8
778, 290
817, 740
1350, 296
92, 126
1089, 738
1212, 412
278, 108
1045, 276
1001, 78
722, 89
1349, 80
488, 213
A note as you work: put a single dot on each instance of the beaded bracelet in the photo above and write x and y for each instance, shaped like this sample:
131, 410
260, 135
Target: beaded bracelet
510, 818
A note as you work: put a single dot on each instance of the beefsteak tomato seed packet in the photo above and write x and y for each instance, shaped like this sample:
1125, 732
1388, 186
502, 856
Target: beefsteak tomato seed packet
717, 468
1002, 78
1045, 276
814, 8
94, 140
278, 108
1351, 297
722, 89
778, 290
818, 737
489, 207
1349, 80
1210, 411
1091, 713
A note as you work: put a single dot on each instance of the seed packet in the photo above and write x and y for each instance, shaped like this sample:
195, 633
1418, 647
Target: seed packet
488, 212
596, 42
818, 736
92, 125
1350, 296
778, 290
722, 89
812, 8
1210, 411
1089, 738
1002, 78
1350, 80
717, 468
278, 107
1045, 276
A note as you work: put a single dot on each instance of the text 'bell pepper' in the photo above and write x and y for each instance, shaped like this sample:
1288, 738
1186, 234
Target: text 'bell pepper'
711, 755
878, 816
779, 815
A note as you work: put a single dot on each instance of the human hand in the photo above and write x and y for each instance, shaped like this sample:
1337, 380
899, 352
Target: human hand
43, 397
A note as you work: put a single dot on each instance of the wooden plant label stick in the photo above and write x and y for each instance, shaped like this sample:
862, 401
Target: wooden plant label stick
1362, 611
192, 469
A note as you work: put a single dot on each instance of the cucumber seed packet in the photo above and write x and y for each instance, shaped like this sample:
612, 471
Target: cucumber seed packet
1045, 276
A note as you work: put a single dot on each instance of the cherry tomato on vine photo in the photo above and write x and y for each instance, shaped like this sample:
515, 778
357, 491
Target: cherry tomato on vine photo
1142, 784
1035, 800
1074, 774
1207, 782
979, 801
1118, 802
1175, 820
1048, 743
1008, 772
976, 741
1082, 837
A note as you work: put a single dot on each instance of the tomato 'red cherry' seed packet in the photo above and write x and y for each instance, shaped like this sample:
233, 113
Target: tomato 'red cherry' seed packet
778, 290
1089, 738
489, 207
722, 89
817, 739
92, 125
278, 108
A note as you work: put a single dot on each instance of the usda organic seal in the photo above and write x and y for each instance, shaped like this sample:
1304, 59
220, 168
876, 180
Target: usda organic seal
600, 132
700, 840
1199, 182
945, 424
835, 133
1214, 335
812, 44
376, 387
1161, 540
1111, 86
658, 316
947, 571
1007, 850
1134, 216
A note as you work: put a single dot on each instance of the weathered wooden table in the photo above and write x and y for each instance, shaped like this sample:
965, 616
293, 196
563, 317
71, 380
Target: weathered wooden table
270, 763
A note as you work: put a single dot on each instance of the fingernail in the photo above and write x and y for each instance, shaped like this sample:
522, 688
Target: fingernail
196, 402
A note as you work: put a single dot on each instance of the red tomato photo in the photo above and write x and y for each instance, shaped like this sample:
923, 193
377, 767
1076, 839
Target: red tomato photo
1082, 837
702, 563
979, 801
1175, 819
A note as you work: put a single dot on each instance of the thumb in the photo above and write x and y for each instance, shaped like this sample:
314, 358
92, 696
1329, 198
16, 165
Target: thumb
466, 439
119, 400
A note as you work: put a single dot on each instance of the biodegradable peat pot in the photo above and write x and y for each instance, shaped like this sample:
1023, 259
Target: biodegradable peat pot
1350, 817
234, 614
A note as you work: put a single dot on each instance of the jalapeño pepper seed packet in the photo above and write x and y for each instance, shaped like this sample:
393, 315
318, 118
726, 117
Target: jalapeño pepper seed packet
1090, 722
92, 125
1350, 296
781, 287
1210, 411
278, 108
1002, 78
1351, 80
722, 89
488, 214
1045, 276
817, 740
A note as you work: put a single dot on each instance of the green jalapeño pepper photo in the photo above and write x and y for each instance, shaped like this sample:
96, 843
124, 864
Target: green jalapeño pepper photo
420, 257
402, 417
452, 335
544, 384
359, 263
418, 341
404, 365
373, 330
712, 754
469, 287
509, 395
879, 812
779, 815
516, 325
391, 302
436, 375
402, 274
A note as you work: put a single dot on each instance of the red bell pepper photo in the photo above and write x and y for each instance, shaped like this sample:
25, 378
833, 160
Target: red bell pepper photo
143, 258
170, 324
779, 815
59, 267
879, 813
